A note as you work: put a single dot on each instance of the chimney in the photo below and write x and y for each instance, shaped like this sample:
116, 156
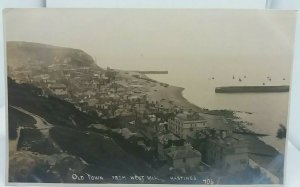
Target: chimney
223, 134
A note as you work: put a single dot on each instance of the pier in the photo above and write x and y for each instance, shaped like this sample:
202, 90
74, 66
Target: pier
152, 72
252, 89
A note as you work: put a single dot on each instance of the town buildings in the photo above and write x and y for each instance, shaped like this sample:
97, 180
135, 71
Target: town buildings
184, 157
186, 123
227, 153
58, 89
183, 140
165, 141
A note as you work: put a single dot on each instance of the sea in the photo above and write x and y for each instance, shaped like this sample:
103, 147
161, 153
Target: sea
265, 111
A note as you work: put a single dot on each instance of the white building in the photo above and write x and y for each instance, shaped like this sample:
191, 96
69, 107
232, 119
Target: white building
185, 124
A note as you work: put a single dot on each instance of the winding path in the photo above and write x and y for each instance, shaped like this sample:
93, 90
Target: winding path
41, 124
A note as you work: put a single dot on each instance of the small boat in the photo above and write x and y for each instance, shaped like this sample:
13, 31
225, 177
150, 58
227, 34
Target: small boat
212, 78
240, 79
263, 83
283, 79
233, 77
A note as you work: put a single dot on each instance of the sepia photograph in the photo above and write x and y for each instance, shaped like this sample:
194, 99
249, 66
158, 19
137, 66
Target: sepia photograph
147, 96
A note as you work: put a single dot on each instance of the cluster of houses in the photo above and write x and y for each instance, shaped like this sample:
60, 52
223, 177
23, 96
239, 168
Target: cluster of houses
88, 88
186, 141
207, 140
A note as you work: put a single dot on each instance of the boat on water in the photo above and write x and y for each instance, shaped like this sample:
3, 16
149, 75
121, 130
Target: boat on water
252, 89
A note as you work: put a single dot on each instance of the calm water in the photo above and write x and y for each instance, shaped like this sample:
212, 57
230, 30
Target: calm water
199, 80
268, 109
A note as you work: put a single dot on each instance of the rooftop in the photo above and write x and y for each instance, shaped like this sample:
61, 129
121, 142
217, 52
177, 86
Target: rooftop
215, 122
233, 140
189, 116
163, 139
181, 152
126, 133
57, 86
99, 126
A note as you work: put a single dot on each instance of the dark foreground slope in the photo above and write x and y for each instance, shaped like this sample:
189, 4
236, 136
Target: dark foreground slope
104, 156
16, 119
67, 149
54, 110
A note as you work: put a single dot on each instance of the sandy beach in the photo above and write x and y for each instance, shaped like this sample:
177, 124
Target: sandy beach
170, 97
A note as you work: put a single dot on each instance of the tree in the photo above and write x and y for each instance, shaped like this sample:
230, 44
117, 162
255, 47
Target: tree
281, 132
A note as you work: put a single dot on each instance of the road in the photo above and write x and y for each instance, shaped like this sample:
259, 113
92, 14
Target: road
41, 124
13, 144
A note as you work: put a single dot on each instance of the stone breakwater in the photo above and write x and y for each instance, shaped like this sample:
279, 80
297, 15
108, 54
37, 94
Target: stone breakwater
252, 89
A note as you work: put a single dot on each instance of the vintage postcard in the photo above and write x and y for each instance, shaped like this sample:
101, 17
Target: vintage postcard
147, 96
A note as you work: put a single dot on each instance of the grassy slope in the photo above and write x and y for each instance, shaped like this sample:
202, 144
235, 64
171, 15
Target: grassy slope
104, 156
17, 119
54, 110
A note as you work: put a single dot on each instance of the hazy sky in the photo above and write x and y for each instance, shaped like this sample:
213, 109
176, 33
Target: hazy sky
131, 38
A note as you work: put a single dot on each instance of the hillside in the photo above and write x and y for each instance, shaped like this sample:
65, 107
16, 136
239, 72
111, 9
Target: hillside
48, 157
27, 53
54, 110
16, 119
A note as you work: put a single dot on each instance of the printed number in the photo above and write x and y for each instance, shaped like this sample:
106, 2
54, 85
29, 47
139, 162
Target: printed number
208, 181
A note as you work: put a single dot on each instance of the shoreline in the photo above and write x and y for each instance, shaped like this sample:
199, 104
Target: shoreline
175, 94
264, 154
171, 96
